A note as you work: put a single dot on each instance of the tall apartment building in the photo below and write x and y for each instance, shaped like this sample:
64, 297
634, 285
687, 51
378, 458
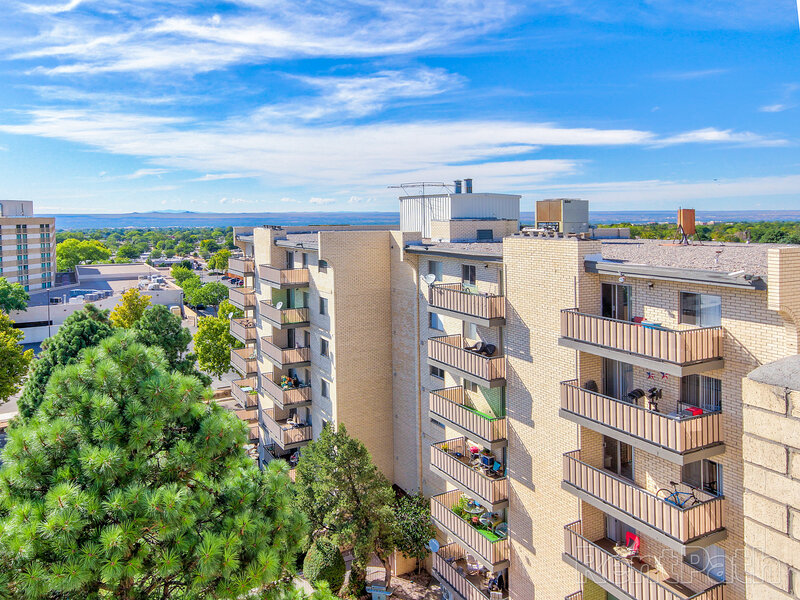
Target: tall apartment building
27, 246
572, 406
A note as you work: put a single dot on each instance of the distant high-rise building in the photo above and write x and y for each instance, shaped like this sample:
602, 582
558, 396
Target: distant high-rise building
27, 246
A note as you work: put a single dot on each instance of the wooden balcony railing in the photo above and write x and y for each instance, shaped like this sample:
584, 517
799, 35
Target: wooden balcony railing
282, 316
281, 432
244, 329
489, 490
451, 404
241, 266
244, 298
675, 433
284, 398
283, 356
492, 552
245, 392
637, 580
283, 277
574, 596
449, 350
244, 360
682, 524
455, 297
445, 563
679, 347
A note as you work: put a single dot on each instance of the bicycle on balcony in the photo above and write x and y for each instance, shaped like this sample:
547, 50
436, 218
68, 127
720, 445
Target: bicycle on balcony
679, 498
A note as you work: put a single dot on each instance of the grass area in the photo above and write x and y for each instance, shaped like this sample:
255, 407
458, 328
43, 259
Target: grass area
479, 413
492, 537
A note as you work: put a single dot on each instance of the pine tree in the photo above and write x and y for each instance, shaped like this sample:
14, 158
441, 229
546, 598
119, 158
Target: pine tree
128, 484
82, 329
347, 498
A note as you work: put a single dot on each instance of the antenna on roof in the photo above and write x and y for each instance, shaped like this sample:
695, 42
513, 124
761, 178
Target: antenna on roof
421, 184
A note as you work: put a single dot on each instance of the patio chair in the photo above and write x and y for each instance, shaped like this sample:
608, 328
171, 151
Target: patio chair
496, 469
489, 349
473, 566
631, 547
501, 530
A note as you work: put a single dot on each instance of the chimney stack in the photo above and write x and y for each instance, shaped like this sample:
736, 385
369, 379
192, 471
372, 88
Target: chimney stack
468, 185
457, 183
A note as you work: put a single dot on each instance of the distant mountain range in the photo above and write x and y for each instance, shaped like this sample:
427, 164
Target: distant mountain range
169, 218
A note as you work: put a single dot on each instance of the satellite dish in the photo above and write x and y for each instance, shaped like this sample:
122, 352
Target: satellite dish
433, 545
278, 305
429, 278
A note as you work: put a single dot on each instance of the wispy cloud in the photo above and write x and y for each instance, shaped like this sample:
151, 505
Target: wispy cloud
289, 200
688, 75
138, 174
786, 98
53, 8
721, 136
220, 176
774, 108
321, 201
235, 201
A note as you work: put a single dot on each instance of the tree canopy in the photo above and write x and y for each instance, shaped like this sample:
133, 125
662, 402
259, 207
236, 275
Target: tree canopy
14, 359
129, 309
72, 252
12, 296
211, 293
347, 498
128, 484
82, 329
219, 261
213, 343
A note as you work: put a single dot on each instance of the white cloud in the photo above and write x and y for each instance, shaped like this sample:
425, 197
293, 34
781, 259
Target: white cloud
774, 108
235, 201
144, 173
360, 200
53, 8
687, 75
321, 200
219, 176
289, 200
725, 136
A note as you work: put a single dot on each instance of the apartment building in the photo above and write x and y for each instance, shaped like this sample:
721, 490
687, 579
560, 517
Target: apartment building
573, 406
27, 246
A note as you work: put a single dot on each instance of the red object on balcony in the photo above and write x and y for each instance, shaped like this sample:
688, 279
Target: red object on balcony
632, 541
694, 410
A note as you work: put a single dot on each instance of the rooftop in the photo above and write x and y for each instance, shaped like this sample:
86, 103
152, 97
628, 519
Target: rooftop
300, 240
784, 373
492, 251
708, 256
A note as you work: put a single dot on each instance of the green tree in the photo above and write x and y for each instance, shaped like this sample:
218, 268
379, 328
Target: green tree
129, 484
129, 309
159, 327
82, 329
348, 499
209, 246
219, 262
72, 252
127, 252
414, 527
228, 311
156, 254
14, 359
211, 293
213, 343
181, 274
324, 562
12, 296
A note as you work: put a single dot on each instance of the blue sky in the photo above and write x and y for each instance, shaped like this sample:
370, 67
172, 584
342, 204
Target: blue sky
261, 105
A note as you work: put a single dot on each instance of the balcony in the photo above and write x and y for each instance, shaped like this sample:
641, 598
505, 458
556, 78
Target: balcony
574, 596
454, 300
285, 398
283, 278
283, 318
451, 461
446, 565
681, 529
634, 580
452, 405
489, 549
245, 361
447, 352
286, 435
244, 298
679, 439
283, 358
244, 330
244, 390
241, 266
251, 418
649, 346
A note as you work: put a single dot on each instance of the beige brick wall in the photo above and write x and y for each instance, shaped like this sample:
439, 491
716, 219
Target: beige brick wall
467, 229
543, 276
771, 490
783, 274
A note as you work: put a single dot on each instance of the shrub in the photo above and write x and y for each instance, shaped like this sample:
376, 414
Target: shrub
324, 562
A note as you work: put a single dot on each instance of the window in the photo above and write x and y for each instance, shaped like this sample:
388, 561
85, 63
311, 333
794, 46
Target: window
290, 260
437, 372
703, 310
468, 274
323, 306
437, 424
485, 234
435, 269
470, 386
322, 266
702, 391
304, 256
435, 322
323, 347
615, 301
470, 331
325, 389
709, 560
703, 474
